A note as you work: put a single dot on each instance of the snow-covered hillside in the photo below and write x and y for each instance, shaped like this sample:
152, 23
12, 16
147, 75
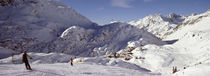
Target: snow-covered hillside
193, 39
65, 69
53, 33
104, 40
189, 48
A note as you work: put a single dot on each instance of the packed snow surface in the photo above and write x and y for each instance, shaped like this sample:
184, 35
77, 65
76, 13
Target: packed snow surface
65, 69
52, 33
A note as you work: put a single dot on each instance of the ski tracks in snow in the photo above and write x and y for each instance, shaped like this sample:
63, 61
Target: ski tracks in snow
65, 69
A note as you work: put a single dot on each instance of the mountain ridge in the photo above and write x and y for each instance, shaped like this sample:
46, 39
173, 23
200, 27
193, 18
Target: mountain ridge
155, 43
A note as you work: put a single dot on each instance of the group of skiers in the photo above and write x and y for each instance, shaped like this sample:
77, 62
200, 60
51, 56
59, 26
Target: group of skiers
27, 65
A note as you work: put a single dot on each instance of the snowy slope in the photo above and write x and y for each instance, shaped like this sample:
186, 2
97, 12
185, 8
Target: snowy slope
54, 33
196, 35
65, 69
199, 70
43, 63
48, 58
190, 48
51, 58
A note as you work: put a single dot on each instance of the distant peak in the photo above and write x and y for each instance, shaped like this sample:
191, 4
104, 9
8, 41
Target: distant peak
114, 22
155, 15
172, 15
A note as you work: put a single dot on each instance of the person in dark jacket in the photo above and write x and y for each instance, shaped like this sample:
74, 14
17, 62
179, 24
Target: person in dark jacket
25, 60
71, 61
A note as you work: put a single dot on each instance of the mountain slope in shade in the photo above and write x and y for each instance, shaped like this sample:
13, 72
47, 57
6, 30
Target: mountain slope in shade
33, 24
41, 19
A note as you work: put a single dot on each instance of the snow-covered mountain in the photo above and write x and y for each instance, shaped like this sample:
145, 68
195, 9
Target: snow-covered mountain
104, 40
189, 48
193, 40
54, 32
50, 26
35, 23
159, 25
162, 26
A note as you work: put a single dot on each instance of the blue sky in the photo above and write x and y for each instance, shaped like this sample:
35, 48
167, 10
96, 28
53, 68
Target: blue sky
104, 11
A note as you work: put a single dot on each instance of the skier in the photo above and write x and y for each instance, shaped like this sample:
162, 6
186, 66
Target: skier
25, 60
71, 61
115, 55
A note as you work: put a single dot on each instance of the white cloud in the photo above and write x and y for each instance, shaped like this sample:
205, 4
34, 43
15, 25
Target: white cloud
121, 3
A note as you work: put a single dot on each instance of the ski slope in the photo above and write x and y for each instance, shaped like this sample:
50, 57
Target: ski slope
134, 48
199, 70
65, 69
